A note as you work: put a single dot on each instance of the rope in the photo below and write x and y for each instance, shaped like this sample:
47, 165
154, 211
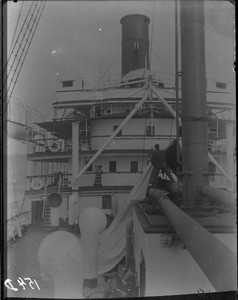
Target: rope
100, 67
162, 64
112, 61
14, 35
143, 157
195, 119
152, 33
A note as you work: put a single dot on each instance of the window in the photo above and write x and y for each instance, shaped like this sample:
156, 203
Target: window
212, 169
106, 202
90, 168
150, 130
112, 166
67, 83
160, 85
134, 166
180, 131
136, 45
221, 85
98, 111
114, 128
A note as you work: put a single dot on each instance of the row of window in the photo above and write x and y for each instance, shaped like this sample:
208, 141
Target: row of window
149, 131
113, 166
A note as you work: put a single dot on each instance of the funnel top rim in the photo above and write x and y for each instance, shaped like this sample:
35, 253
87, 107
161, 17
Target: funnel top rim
135, 15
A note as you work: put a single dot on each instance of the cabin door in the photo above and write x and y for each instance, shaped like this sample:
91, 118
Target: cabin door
36, 210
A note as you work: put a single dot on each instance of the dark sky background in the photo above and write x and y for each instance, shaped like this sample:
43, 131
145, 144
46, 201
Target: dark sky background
83, 39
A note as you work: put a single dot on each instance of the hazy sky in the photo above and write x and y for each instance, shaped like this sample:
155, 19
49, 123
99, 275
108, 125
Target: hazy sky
83, 38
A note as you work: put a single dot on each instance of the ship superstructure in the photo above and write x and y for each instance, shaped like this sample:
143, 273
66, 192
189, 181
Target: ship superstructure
98, 145
97, 112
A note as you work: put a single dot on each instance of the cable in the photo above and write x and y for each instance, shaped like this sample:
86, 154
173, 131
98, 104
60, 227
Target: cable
100, 67
16, 26
111, 63
143, 157
152, 33
162, 64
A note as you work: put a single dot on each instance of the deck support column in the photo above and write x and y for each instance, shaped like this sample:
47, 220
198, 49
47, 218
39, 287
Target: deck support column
229, 155
73, 199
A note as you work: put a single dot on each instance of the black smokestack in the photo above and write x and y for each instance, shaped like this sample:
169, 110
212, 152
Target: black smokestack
135, 43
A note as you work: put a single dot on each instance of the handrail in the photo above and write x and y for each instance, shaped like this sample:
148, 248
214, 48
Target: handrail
14, 217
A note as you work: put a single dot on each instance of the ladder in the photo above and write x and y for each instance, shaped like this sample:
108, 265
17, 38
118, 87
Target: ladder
46, 220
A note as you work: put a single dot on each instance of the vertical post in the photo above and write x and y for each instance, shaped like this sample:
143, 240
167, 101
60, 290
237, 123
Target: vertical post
75, 154
73, 199
194, 108
229, 155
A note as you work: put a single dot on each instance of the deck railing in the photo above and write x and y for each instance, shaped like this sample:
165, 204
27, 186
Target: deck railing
38, 182
122, 178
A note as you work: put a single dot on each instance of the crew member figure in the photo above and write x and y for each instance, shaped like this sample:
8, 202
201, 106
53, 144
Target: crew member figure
98, 176
158, 161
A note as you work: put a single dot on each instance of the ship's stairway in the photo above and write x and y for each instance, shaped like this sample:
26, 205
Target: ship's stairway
46, 221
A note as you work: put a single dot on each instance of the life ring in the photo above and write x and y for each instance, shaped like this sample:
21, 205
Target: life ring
36, 184
54, 146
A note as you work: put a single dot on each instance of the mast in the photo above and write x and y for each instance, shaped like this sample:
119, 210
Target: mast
176, 81
194, 108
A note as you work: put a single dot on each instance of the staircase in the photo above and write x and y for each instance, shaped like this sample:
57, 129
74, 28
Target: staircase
46, 221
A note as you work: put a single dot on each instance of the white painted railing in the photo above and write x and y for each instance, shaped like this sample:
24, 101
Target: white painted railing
132, 142
120, 179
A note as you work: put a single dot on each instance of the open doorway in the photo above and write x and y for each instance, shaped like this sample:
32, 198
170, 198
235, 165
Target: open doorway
36, 212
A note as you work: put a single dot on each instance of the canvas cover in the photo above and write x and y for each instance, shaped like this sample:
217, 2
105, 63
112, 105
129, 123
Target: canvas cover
112, 242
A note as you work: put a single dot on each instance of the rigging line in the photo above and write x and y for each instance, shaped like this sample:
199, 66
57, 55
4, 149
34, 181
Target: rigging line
151, 38
100, 68
20, 60
36, 111
27, 44
143, 157
173, 94
25, 21
137, 92
111, 63
15, 31
157, 72
166, 79
162, 64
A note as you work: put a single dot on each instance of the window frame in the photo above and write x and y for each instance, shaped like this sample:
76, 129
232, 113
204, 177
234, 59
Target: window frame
112, 170
135, 162
152, 130
106, 202
65, 83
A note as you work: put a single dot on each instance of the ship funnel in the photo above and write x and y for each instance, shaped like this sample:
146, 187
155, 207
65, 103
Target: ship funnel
135, 43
